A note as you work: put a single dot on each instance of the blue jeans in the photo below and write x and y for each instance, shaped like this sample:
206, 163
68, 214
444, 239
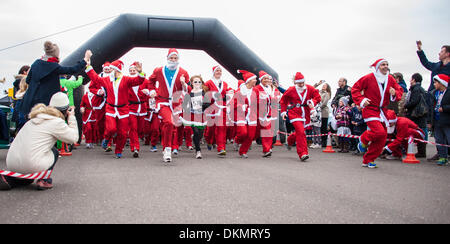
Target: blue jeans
442, 136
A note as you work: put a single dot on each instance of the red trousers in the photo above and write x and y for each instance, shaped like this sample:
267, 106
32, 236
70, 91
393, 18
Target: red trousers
89, 131
100, 124
299, 137
181, 132
152, 129
118, 127
376, 135
167, 126
266, 134
245, 134
397, 148
136, 125
216, 132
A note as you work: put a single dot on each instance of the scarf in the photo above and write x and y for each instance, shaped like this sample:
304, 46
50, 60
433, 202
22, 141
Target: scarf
50, 59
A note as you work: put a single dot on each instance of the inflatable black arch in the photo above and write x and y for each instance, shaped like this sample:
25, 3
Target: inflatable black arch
128, 31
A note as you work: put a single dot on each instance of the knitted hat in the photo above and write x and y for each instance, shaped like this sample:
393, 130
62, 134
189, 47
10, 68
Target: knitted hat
51, 50
60, 101
443, 79
248, 76
344, 100
299, 78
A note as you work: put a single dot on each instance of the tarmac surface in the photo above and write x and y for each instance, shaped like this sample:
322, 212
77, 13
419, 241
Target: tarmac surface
93, 187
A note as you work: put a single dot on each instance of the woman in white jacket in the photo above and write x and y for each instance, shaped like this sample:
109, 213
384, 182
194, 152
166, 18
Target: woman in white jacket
33, 150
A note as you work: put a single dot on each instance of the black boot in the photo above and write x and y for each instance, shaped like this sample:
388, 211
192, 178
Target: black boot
421, 150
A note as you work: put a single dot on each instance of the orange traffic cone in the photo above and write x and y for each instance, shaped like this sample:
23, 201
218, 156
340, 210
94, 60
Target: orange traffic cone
63, 152
410, 156
329, 148
278, 142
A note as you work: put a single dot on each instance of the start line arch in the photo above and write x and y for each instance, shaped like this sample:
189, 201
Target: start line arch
128, 31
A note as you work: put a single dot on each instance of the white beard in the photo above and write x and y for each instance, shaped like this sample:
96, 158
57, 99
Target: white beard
172, 65
135, 75
300, 89
380, 77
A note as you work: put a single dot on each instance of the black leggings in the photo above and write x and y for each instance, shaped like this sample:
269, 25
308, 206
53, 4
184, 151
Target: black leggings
17, 182
198, 135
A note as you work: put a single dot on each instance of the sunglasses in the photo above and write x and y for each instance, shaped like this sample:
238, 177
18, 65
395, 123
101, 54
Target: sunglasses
197, 82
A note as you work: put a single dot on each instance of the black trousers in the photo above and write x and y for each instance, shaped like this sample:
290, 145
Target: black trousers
17, 182
324, 130
198, 135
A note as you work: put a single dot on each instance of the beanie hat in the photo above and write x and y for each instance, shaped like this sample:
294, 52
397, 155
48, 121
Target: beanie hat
117, 65
377, 63
443, 79
248, 76
344, 100
172, 51
51, 50
263, 74
60, 101
299, 78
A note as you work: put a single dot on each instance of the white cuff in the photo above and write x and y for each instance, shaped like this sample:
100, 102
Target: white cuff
283, 114
89, 68
152, 92
363, 102
393, 98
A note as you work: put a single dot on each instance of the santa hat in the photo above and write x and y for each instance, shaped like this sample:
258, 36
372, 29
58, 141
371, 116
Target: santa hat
172, 51
117, 65
263, 74
247, 75
443, 79
377, 63
215, 68
106, 64
299, 78
133, 65
391, 116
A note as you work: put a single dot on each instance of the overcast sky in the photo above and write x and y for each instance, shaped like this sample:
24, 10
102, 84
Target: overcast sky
323, 39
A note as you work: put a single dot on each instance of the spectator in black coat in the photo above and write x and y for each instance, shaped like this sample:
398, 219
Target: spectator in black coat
343, 91
43, 77
413, 99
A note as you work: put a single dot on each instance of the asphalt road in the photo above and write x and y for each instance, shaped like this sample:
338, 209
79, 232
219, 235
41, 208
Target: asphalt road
94, 187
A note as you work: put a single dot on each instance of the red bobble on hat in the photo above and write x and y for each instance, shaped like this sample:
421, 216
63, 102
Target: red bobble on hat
247, 75
173, 51
443, 79
377, 63
117, 65
263, 74
299, 78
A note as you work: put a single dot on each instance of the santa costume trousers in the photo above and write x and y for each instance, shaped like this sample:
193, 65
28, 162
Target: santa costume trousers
89, 132
118, 127
299, 137
167, 126
136, 130
266, 134
376, 135
216, 134
152, 129
245, 134
397, 149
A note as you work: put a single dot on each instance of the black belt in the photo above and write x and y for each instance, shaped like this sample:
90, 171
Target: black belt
165, 98
133, 102
116, 106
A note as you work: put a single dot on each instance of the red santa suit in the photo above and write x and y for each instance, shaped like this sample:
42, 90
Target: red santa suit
98, 103
403, 129
267, 101
299, 101
375, 87
138, 111
89, 120
216, 130
117, 108
246, 114
152, 124
168, 101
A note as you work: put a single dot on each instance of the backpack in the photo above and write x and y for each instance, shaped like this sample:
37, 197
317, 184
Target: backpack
422, 107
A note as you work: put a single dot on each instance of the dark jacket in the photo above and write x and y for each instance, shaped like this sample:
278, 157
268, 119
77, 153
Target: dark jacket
356, 116
414, 98
343, 92
444, 117
43, 81
435, 68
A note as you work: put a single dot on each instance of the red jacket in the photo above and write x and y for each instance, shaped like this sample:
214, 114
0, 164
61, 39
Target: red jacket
87, 104
299, 103
138, 101
246, 108
267, 104
368, 88
117, 96
405, 128
168, 96
218, 107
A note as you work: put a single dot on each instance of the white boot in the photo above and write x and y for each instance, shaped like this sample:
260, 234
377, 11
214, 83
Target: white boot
167, 155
